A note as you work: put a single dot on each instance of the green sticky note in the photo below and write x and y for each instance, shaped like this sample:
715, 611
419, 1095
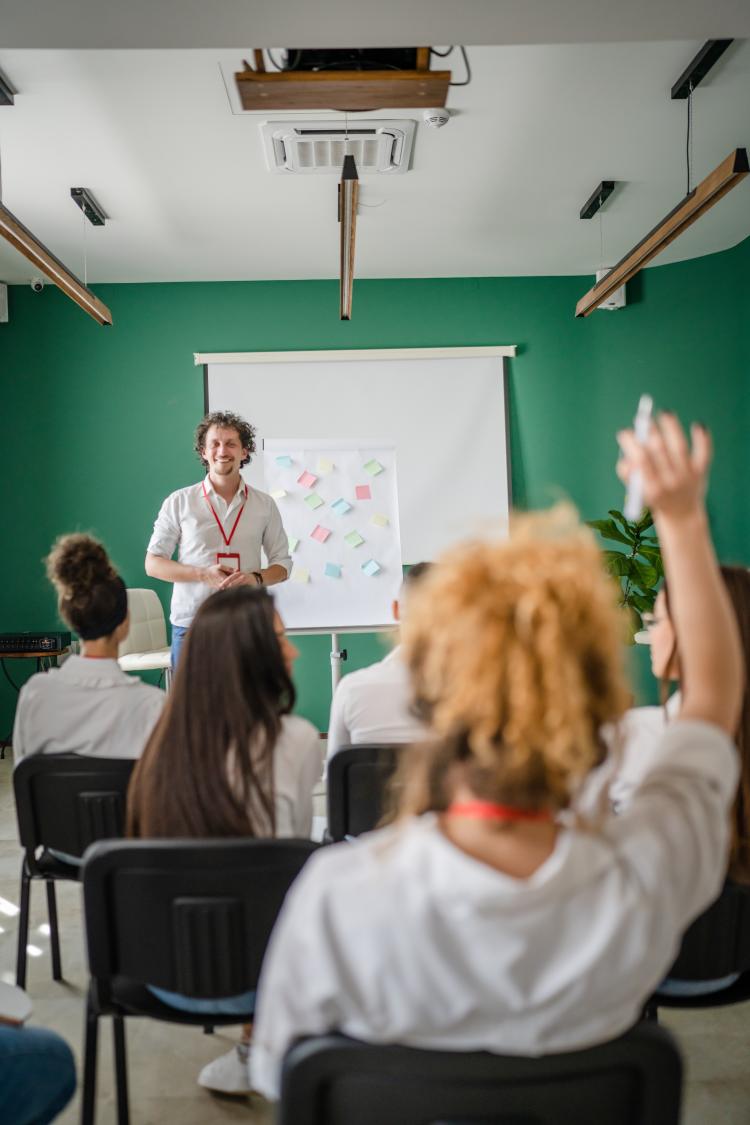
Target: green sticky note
373, 467
354, 539
293, 544
314, 501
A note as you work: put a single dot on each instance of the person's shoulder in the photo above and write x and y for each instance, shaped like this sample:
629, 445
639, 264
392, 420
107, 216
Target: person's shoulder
360, 678
149, 696
186, 493
298, 730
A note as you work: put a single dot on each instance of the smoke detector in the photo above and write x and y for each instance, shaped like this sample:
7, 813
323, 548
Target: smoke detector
315, 147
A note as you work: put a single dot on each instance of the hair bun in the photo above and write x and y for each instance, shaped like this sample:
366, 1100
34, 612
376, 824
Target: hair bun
78, 562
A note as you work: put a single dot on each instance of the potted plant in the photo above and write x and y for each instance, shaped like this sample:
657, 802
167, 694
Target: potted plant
637, 564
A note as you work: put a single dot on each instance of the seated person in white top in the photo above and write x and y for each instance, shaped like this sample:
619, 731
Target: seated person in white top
88, 706
374, 704
487, 918
229, 758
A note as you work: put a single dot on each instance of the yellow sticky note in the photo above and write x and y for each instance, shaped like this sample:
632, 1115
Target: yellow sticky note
325, 466
299, 574
380, 520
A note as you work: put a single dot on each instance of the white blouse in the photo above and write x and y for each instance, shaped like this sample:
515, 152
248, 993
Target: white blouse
402, 937
86, 706
297, 766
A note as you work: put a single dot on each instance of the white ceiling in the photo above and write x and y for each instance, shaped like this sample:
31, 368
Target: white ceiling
155, 136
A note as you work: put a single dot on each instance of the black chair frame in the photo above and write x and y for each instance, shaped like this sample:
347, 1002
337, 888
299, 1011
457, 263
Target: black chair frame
633, 1080
64, 802
188, 916
358, 778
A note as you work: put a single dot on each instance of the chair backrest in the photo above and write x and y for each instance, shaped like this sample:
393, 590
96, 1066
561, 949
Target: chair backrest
68, 801
148, 629
718, 941
357, 780
191, 916
633, 1080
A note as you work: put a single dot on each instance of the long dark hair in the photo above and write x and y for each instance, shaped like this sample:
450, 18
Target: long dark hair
207, 769
737, 582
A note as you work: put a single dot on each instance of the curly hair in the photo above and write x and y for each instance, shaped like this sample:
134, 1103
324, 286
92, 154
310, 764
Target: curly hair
226, 421
91, 596
515, 650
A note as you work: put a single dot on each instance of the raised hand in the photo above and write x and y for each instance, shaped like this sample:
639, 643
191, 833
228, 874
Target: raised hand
674, 472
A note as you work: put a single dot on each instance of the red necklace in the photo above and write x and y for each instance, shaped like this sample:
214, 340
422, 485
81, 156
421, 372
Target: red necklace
490, 810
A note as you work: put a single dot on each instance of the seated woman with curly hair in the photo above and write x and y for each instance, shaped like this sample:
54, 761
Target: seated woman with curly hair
488, 916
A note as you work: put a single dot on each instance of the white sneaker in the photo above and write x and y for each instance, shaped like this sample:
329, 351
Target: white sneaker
229, 1074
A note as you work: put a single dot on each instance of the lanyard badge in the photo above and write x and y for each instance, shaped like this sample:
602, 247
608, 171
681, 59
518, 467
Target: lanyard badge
227, 560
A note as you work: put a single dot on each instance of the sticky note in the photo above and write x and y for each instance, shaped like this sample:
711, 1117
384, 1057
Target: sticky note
340, 507
285, 462
299, 574
325, 466
373, 467
293, 544
332, 570
306, 479
278, 494
362, 492
313, 501
371, 568
354, 539
380, 520
320, 533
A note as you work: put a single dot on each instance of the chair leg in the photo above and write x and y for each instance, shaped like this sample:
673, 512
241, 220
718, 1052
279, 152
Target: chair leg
23, 925
54, 932
121, 1070
88, 1096
208, 1029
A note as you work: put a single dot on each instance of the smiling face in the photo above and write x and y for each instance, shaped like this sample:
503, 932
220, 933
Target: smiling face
289, 652
662, 638
223, 451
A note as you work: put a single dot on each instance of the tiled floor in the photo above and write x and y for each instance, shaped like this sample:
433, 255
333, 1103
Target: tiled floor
164, 1060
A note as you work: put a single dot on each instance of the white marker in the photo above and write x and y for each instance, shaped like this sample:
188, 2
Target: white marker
641, 427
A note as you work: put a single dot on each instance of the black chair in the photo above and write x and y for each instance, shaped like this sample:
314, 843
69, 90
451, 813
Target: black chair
716, 945
357, 780
332, 1080
188, 916
64, 802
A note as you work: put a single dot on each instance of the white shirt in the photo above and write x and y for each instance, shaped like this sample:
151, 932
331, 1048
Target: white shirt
373, 705
87, 706
297, 765
402, 937
186, 524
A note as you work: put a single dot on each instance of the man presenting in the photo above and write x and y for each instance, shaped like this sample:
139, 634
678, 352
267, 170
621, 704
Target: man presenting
217, 527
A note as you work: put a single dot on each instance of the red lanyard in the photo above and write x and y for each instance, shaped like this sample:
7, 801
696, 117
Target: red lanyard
489, 810
218, 521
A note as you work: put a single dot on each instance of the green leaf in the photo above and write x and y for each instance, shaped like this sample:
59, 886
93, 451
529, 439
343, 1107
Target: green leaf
608, 530
617, 563
652, 555
643, 575
642, 602
626, 526
645, 522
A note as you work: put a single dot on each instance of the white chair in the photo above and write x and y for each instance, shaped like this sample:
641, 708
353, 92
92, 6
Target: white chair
145, 648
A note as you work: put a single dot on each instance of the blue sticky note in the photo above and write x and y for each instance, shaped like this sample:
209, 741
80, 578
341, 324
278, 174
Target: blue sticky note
332, 570
285, 462
340, 507
371, 568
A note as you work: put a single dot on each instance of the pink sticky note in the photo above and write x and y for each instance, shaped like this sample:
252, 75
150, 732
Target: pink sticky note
320, 533
306, 479
362, 492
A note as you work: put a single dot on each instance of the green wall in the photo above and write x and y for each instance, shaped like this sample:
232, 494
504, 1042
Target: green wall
98, 422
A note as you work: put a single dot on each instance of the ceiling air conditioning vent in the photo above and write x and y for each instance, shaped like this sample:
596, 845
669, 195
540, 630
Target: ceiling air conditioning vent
314, 147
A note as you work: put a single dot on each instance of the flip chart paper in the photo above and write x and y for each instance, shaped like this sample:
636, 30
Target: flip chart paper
314, 501
362, 492
373, 467
278, 494
325, 466
306, 479
354, 539
320, 533
285, 462
332, 570
371, 568
299, 574
380, 520
293, 544
341, 507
